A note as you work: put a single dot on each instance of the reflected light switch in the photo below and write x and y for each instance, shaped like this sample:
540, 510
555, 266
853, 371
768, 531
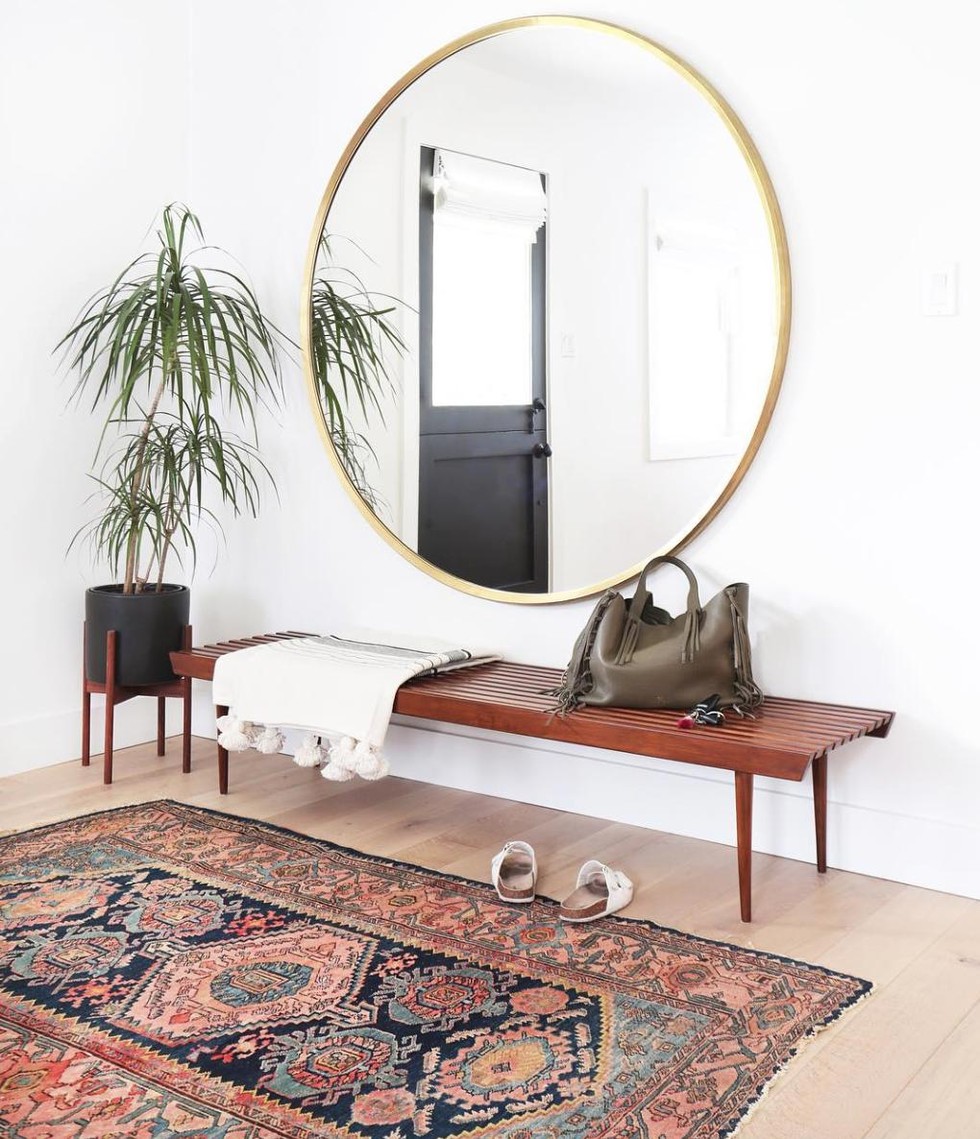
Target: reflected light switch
567, 344
939, 290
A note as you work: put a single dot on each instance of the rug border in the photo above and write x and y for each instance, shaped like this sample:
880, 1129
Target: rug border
397, 862
864, 989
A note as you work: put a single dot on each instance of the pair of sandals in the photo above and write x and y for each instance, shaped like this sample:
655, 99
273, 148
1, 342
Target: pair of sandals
598, 889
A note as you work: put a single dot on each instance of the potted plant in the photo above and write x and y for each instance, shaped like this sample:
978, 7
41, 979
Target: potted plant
173, 350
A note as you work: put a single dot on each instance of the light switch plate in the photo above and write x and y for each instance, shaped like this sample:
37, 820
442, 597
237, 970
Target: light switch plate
940, 289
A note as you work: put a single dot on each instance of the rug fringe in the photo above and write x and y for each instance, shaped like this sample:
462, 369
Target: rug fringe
780, 1077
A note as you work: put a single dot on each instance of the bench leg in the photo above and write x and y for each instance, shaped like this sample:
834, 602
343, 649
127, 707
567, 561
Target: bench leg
222, 710
743, 827
819, 768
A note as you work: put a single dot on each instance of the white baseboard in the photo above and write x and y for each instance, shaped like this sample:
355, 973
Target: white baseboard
28, 744
679, 799
697, 802
46, 740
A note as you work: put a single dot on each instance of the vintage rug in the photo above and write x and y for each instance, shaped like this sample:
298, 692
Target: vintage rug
171, 971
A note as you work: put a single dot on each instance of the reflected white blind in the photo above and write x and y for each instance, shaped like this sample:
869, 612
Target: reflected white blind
479, 191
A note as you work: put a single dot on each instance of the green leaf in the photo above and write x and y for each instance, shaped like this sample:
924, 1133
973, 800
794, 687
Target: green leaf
172, 347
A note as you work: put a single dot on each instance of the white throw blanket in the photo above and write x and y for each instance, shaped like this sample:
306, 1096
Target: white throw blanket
330, 686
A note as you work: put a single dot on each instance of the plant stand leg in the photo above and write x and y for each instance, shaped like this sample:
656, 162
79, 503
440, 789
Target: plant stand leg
161, 725
86, 705
110, 702
186, 757
185, 691
185, 765
86, 725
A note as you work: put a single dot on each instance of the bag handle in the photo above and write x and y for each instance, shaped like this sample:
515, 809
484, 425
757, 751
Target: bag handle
692, 628
643, 595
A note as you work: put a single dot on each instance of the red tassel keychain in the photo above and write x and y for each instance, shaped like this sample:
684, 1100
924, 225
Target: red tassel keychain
707, 712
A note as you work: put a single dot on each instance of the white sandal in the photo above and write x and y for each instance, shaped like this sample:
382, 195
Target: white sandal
598, 891
514, 871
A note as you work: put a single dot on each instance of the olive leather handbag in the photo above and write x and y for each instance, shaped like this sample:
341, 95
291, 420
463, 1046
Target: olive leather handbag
632, 654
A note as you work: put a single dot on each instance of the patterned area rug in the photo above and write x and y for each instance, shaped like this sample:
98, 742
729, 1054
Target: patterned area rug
166, 970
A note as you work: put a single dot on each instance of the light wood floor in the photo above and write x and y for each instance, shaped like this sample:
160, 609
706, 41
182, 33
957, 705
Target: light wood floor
903, 1065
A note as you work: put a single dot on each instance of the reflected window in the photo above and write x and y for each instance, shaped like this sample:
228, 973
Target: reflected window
481, 317
487, 218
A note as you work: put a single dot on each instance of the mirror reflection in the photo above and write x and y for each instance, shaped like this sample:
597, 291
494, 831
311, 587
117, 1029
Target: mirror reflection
576, 292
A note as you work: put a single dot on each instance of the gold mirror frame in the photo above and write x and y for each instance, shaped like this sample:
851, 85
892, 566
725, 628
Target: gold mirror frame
780, 252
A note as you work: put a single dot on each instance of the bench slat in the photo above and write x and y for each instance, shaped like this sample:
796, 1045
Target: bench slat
781, 740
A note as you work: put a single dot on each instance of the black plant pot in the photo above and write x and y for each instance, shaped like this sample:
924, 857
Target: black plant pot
148, 627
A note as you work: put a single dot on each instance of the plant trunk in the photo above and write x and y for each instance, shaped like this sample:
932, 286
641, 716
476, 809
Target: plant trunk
164, 550
132, 546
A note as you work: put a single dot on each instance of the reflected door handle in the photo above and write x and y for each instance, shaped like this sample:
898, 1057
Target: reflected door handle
541, 450
538, 404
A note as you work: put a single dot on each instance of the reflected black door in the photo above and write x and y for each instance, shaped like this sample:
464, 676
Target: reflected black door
483, 468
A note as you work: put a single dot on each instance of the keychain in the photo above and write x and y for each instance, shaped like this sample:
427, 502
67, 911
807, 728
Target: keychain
707, 712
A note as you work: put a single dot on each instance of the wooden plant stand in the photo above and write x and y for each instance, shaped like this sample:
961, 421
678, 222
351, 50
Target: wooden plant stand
118, 693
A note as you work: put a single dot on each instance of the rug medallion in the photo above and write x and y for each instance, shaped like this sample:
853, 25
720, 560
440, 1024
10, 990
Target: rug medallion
171, 971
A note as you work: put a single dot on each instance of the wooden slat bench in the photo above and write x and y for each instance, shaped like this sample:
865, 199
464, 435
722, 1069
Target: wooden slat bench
784, 739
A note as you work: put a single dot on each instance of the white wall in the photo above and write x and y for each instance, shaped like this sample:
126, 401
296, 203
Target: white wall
93, 143
853, 525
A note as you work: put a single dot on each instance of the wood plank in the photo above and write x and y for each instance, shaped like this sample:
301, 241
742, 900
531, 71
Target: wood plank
932, 1102
849, 1084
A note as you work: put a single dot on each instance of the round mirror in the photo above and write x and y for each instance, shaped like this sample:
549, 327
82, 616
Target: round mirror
548, 309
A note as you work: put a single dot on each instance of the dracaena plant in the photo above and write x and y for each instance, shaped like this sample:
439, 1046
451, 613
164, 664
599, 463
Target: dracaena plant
173, 350
352, 340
